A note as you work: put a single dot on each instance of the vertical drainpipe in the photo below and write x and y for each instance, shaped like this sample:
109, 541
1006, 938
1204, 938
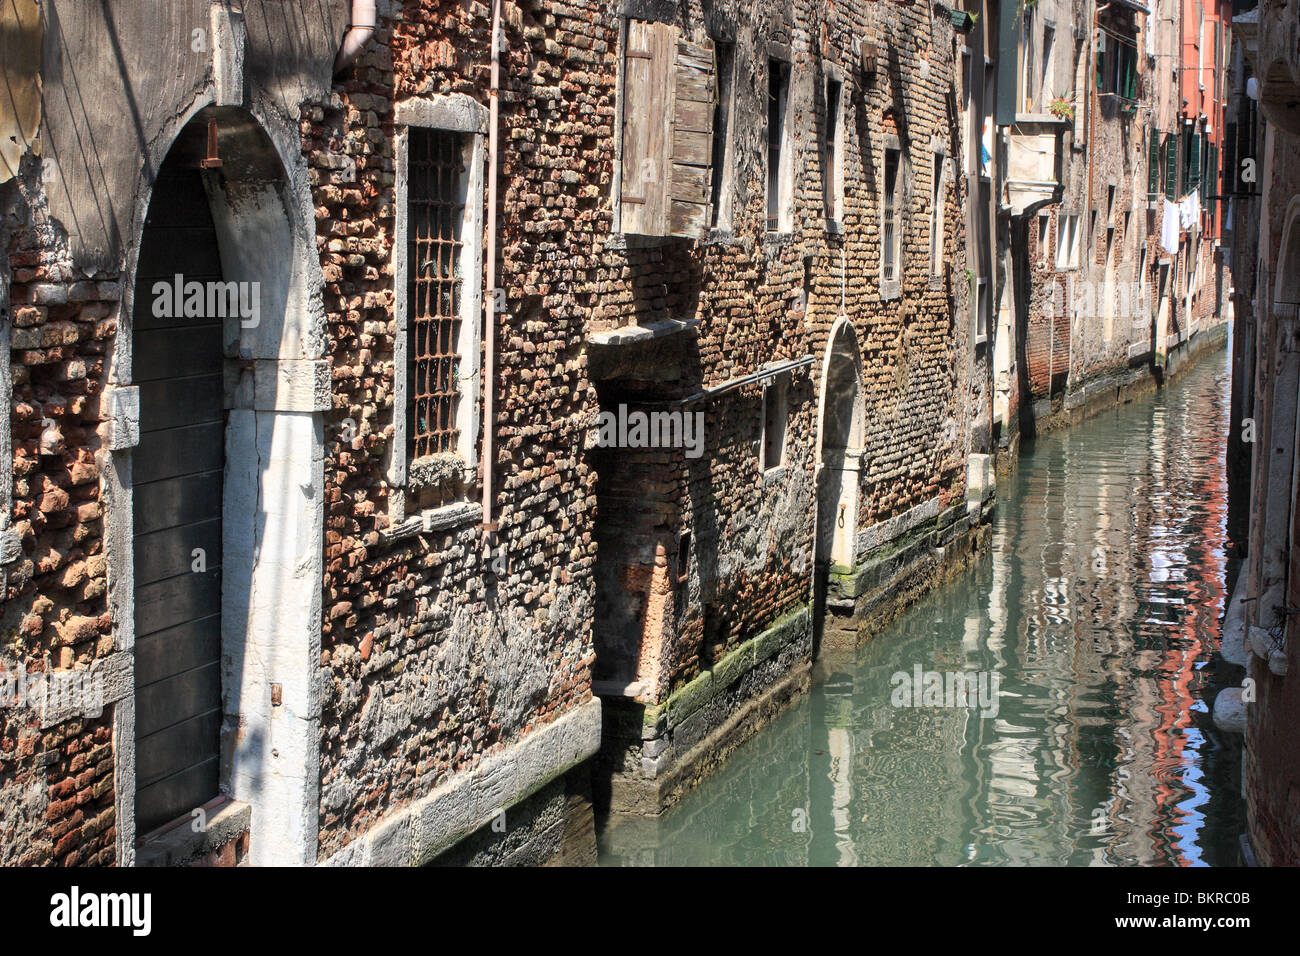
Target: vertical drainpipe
489, 300
361, 27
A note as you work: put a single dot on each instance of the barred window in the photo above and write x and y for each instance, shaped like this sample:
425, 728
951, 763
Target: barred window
889, 226
435, 214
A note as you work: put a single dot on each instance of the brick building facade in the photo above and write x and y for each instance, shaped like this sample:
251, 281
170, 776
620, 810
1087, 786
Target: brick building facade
1259, 630
543, 406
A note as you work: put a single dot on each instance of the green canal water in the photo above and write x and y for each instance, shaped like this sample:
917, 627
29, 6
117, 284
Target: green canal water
1094, 617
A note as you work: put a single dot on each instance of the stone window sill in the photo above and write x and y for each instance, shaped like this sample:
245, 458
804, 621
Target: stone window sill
891, 289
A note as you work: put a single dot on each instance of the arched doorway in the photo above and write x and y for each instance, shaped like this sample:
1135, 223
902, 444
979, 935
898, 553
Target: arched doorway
839, 460
177, 501
219, 515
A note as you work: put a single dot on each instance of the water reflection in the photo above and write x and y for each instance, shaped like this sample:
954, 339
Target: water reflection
1097, 612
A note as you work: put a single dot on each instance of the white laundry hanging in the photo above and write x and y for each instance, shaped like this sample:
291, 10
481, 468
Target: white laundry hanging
1169, 228
1189, 210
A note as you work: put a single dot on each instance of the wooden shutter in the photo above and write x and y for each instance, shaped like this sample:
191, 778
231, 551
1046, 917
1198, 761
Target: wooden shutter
696, 91
647, 92
1171, 167
1153, 167
670, 90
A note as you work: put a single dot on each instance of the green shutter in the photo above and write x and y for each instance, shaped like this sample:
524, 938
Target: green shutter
1006, 99
1171, 167
1153, 167
1101, 63
1212, 181
1129, 55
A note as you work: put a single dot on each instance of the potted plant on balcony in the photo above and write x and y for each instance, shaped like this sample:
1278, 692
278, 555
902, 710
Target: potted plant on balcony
1061, 107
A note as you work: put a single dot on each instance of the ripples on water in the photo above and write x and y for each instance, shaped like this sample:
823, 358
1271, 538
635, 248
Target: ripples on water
1098, 611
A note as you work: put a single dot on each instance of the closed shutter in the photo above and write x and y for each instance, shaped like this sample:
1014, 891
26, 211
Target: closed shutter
1153, 167
692, 142
670, 90
1171, 167
648, 65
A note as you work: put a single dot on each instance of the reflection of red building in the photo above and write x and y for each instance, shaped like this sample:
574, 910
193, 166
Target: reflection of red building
1204, 595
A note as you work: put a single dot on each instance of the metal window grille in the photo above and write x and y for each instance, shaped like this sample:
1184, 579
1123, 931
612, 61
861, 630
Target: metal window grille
434, 214
889, 225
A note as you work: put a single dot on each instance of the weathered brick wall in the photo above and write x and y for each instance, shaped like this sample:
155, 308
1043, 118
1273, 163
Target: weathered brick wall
432, 657
752, 533
56, 785
1105, 329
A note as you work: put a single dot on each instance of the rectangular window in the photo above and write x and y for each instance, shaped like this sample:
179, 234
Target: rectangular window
832, 186
669, 95
1067, 241
775, 413
938, 203
890, 228
1116, 65
723, 135
435, 208
778, 194
1027, 77
1044, 223
1045, 87
982, 307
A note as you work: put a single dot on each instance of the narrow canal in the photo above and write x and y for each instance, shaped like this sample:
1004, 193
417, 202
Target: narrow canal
1094, 617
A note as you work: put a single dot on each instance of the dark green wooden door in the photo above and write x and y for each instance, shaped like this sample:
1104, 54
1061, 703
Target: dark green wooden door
177, 479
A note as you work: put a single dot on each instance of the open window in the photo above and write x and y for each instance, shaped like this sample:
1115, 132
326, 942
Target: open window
891, 222
669, 98
780, 188
1117, 63
832, 169
938, 201
776, 410
1067, 241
